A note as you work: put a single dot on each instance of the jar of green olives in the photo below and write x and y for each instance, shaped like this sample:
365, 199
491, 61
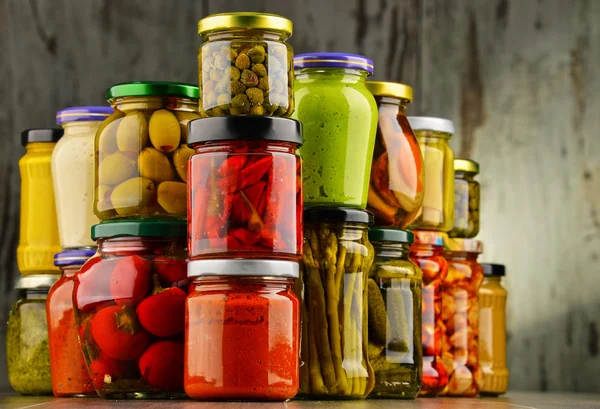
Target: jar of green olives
245, 66
466, 199
141, 151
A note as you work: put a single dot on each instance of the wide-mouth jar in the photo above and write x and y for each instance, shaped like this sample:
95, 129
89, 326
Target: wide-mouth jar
466, 199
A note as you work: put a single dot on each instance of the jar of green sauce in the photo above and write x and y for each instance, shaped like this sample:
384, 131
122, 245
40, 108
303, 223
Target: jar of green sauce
28, 357
339, 119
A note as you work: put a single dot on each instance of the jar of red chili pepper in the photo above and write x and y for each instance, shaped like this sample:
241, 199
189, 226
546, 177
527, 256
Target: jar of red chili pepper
245, 188
242, 330
129, 307
428, 253
70, 376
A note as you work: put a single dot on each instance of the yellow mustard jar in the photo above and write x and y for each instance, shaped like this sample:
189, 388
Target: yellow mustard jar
38, 241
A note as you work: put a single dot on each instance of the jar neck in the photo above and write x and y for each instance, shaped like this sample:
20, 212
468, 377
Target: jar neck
468, 176
40, 147
243, 284
397, 105
345, 75
86, 128
424, 135
245, 34
70, 271
152, 103
461, 255
426, 250
174, 246
392, 250
246, 146
35, 294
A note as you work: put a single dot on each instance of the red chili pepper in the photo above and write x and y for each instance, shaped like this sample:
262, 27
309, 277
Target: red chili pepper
245, 236
251, 174
241, 209
161, 365
163, 314
170, 271
94, 282
234, 163
118, 333
130, 280
100, 368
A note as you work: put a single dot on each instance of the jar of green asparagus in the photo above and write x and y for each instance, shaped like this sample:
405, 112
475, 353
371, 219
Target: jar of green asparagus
336, 262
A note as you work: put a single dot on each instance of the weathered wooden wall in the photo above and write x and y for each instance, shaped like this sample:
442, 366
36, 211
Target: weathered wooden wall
519, 77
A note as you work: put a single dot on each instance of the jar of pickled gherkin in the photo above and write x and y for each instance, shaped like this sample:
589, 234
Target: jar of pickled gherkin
336, 263
245, 65
141, 151
437, 211
394, 299
396, 181
466, 199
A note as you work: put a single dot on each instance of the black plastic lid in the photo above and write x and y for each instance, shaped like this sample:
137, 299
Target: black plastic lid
393, 235
41, 135
493, 270
246, 128
140, 228
337, 214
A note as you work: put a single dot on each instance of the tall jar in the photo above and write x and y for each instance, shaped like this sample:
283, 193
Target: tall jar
466, 199
397, 181
394, 288
339, 119
28, 358
73, 174
242, 330
245, 197
245, 65
141, 151
38, 239
336, 263
437, 212
460, 313
130, 308
70, 376
427, 252
492, 330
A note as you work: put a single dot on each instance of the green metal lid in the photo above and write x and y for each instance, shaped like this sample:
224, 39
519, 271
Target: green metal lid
154, 89
393, 235
140, 228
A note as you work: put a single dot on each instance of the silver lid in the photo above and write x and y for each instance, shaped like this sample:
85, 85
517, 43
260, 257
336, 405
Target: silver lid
429, 123
36, 281
243, 268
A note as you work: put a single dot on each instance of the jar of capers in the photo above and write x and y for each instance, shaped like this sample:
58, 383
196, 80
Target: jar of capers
466, 199
245, 66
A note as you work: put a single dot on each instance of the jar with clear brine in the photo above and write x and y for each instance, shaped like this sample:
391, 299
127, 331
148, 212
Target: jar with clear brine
245, 65
466, 199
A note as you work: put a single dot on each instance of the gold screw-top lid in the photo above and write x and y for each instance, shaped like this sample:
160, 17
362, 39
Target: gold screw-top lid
466, 165
390, 89
247, 20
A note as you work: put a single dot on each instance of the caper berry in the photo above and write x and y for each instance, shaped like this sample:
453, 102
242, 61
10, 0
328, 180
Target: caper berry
249, 78
242, 62
255, 95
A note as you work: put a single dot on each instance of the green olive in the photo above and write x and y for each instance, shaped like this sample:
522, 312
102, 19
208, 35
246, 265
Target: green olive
154, 165
132, 134
107, 133
103, 203
172, 196
180, 159
116, 168
133, 195
184, 118
164, 129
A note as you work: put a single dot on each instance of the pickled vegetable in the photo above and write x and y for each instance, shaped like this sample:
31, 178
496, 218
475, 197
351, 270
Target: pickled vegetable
466, 199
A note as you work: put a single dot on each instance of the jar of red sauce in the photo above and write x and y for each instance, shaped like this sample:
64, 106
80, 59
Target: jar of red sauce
428, 253
70, 376
242, 335
245, 188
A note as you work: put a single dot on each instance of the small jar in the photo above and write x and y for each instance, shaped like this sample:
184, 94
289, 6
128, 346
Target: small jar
38, 239
428, 253
245, 65
492, 330
336, 263
460, 313
245, 188
27, 355
466, 199
437, 212
339, 119
141, 151
73, 174
394, 291
130, 309
396, 182
70, 376
242, 330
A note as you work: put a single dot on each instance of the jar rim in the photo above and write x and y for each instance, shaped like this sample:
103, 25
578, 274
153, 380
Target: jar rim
83, 113
430, 123
493, 270
390, 89
36, 281
73, 257
153, 89
466, 165
41, 135
243, 268
245, 20
381, 234
324, 214
333, 60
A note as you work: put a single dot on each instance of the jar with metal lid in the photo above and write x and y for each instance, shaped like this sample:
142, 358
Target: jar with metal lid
339, 119
245, 65
130, 308
397, 180
70, 376
336, 263
492, 330
141, 151
73, 174
245, 188
28, 358
38, 239
242, 330
394, 299
437, 211
466, 199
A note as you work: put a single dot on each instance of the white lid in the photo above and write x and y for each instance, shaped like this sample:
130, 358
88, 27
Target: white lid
430, 123
243, 268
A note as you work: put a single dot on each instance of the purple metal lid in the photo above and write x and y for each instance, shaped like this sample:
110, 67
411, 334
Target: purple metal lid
333, 60
73, 257
91, 113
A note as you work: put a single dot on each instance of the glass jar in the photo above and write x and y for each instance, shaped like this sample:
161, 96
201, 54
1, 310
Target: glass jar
70, 376
245, 65
73, 174
28, 358
428, 253
396, 183
492, 330
130, 308
242, 330
245, 188
336, 263
437, 212
466, 199
38, 239
141, 151
394, 291
460, 313
339, 120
